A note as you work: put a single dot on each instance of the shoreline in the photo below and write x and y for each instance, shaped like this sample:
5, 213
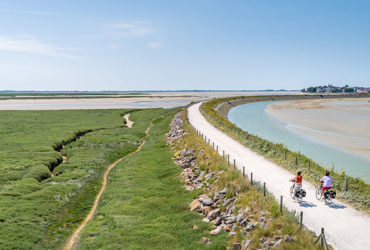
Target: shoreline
152, 100
275, 177
329, 122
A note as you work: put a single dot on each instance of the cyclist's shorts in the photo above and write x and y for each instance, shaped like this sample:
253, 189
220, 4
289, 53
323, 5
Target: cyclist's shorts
325, 188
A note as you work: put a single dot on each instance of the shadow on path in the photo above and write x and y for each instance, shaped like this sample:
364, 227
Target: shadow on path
306, 204
336, 206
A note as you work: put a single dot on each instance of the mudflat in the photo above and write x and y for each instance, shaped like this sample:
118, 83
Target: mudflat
343, 123
146, 100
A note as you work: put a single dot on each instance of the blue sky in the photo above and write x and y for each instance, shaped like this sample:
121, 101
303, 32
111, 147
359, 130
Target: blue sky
203, 44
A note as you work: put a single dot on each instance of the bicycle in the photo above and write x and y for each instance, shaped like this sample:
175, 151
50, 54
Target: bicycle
299, 194
328, 196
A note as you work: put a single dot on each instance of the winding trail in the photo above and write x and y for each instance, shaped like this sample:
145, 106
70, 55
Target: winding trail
71, 243
345, 228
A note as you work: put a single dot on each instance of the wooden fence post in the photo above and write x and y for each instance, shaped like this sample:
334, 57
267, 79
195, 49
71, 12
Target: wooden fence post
228, 160
217, 149
243, 171
285, 155
264, 189
234, 164
281, 203
322, 238
301, 220
223, 154
296, 160
346, 184
251, 178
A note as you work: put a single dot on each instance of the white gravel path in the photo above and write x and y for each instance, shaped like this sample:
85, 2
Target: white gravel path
345, 228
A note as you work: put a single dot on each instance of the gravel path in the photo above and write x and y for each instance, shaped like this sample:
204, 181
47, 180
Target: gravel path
345, 228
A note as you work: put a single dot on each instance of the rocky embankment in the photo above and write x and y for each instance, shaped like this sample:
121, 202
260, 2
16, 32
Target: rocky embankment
218, 207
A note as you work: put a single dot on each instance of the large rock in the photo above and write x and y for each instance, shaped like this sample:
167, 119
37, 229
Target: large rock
194, 205
213, 214
223, 191
203, 197
206, 210
218, 230
239, 217
246, 244
217, 221
207, 202
237, 246
288, 238
277, 243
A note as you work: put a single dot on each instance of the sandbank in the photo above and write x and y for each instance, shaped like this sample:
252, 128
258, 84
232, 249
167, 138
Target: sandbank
341, 123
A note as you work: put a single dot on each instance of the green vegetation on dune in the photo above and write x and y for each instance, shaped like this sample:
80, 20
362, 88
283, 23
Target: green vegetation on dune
38, 210
358, 192
145, 204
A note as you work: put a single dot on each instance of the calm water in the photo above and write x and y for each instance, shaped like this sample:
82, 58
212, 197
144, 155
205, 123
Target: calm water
253, 119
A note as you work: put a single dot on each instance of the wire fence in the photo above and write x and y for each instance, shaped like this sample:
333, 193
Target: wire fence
257, 185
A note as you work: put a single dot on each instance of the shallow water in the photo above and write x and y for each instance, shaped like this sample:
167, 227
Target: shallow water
254, 119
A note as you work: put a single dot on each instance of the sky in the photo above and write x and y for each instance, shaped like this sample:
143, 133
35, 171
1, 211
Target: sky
183, 45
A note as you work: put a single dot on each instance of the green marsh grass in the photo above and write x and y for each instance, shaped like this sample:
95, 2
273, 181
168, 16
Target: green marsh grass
145, 205
37, 210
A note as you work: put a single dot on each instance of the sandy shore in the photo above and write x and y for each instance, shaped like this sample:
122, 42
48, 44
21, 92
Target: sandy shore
341, 123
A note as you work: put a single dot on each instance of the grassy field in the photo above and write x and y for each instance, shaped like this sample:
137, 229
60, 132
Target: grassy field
145, 204
358, 193
39, 209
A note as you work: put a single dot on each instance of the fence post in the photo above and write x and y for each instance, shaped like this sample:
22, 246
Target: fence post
285, 155
217, 149
296, 160
209, 141
309, 166
213, 145
228, 160
243, 171
301, 220
251, 178
223, 154
234, 164
346, 184
281, 203
264, 189
322, 237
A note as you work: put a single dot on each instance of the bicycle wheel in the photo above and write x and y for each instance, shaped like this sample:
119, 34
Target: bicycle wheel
328, 200
318, 193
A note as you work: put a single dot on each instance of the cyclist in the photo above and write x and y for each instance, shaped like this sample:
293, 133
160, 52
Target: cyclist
298, 181
326, 182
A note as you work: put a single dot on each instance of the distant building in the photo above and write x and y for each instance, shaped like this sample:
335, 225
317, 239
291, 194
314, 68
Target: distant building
362, 90
331, 89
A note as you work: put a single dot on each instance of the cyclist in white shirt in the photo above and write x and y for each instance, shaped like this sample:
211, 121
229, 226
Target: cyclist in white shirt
326, 180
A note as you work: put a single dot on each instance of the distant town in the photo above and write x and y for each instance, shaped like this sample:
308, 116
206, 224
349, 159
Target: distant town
334, 89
